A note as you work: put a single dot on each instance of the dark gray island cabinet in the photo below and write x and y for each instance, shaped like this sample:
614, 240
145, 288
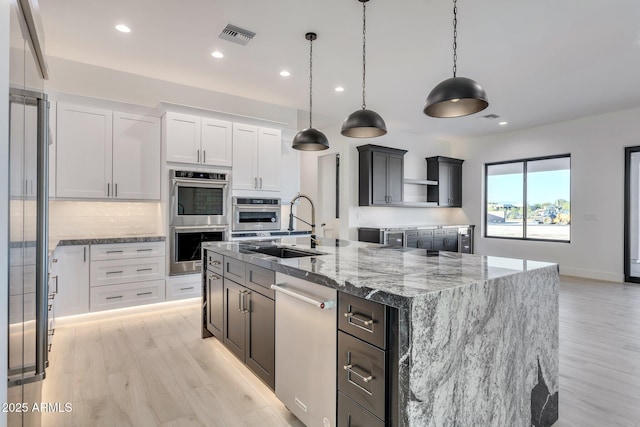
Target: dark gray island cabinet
451, 340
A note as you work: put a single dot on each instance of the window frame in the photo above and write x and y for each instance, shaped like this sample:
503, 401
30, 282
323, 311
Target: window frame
524, 196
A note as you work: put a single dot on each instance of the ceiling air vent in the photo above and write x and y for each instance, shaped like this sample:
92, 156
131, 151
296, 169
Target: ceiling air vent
490, 116
236, 34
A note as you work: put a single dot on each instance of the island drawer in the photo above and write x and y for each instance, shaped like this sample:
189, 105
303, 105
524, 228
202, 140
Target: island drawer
234, 270
362, 318
350, 414
260, 279
362, 373
214, 262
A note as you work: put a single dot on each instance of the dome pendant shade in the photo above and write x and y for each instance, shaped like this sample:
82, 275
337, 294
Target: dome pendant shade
363, 124
310, 139
456, 97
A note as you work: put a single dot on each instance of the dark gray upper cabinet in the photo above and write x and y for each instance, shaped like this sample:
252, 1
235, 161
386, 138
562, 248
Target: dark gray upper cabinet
448, 173
381, 175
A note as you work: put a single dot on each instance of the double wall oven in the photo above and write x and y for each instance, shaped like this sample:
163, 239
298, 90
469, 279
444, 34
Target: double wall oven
198, 213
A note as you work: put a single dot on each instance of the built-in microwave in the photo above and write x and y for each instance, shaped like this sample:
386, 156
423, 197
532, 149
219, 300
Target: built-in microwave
256, 214
198, 198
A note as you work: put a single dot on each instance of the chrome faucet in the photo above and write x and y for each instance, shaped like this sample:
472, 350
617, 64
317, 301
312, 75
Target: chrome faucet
313, 218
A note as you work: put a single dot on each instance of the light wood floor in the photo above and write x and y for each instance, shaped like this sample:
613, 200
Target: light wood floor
152, 369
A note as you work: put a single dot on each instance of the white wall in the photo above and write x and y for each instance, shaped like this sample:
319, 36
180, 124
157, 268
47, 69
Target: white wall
4, 196
596, 145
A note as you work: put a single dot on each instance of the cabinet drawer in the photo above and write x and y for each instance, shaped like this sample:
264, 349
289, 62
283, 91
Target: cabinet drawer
260, 280
214, 262
411, 234
126, 250
126, 295
113, 272
234, 270
362, 373
439, 232
350, 414
451, 232
362, 318
183, 287
425, 233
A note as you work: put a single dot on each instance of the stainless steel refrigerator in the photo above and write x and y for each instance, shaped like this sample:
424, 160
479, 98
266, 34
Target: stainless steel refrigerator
28, 216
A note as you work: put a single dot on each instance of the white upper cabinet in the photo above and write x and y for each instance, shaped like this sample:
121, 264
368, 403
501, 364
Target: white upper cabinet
83, 152
136, 156
257, 157
107, 155
198, 140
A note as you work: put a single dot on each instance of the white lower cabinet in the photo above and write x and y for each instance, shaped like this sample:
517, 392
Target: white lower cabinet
72, 280
182, 287
125, 275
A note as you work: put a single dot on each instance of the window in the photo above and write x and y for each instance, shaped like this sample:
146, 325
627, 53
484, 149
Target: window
529, 199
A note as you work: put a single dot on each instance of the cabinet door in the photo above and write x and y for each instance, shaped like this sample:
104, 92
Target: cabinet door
379, 173
183, 138
245, 156
395, 183
216, 143
234, 318
83, 152
136, 157
455, 185
73, 280
215, 304
261, 337
269, 159
444, 176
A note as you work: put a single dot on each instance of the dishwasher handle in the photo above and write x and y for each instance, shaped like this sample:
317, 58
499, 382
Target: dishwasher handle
322, 305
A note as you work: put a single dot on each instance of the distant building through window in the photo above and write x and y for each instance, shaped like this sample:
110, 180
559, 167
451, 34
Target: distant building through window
529, 199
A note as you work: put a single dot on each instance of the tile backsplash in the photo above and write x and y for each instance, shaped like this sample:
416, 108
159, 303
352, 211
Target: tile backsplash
68, 219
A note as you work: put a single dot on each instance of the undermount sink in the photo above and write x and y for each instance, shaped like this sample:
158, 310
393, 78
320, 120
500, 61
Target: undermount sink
285, 252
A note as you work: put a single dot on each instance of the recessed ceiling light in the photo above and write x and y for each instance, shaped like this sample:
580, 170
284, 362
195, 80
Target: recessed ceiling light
123, 28
502, 123
217, 54
339, 89
285, 73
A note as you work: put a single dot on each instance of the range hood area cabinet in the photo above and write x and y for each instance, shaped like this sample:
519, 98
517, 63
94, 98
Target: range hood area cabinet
381, 175
104, 154
257, 158
198, 140
448, 174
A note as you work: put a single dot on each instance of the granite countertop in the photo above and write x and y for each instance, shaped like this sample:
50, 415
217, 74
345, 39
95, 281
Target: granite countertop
380, 273
99, 240
415, 226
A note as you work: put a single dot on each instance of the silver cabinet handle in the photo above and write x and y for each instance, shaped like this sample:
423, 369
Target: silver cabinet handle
243, 306
144, 293
115, 252
255, 182
53, 293
144, 250
144, 269
204, 156
365, 321
240, 301
114, 272
322, 305
190, 287
116, 192
116, 297
260, 182
198, 151
108, 189
350, 369
84, 254
215, 263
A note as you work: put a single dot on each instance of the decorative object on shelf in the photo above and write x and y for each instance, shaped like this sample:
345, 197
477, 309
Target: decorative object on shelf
363, 123
310, 139
456, 96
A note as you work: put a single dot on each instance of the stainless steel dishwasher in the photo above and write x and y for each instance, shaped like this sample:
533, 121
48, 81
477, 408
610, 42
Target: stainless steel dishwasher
306, 325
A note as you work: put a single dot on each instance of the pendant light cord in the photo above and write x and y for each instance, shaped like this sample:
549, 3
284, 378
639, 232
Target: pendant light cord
364, 52
455, 37
310, 83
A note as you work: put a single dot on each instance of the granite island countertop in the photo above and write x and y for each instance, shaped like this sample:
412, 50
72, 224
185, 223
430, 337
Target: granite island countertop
478, 335
389, 275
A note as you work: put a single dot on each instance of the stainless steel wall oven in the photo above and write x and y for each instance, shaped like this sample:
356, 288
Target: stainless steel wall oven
198, 198
186, 246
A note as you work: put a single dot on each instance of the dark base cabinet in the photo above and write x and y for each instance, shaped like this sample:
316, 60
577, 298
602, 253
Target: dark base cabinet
215, 304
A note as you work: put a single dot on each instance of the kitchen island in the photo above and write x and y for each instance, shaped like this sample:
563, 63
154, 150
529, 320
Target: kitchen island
477, 336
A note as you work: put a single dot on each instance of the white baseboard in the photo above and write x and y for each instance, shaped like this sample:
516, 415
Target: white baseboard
592, 274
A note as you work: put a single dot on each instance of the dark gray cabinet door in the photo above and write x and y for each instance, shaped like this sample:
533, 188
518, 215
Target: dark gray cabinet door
260, 345
455, 184
379, 178
215, 304
350, 414
448, 172
234, 319
395, 178
444, 183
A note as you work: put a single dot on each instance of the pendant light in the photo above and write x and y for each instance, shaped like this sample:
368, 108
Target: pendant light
456, 96
363, 123
310, 139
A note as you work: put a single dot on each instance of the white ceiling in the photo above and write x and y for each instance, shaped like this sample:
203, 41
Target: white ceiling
540, 61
